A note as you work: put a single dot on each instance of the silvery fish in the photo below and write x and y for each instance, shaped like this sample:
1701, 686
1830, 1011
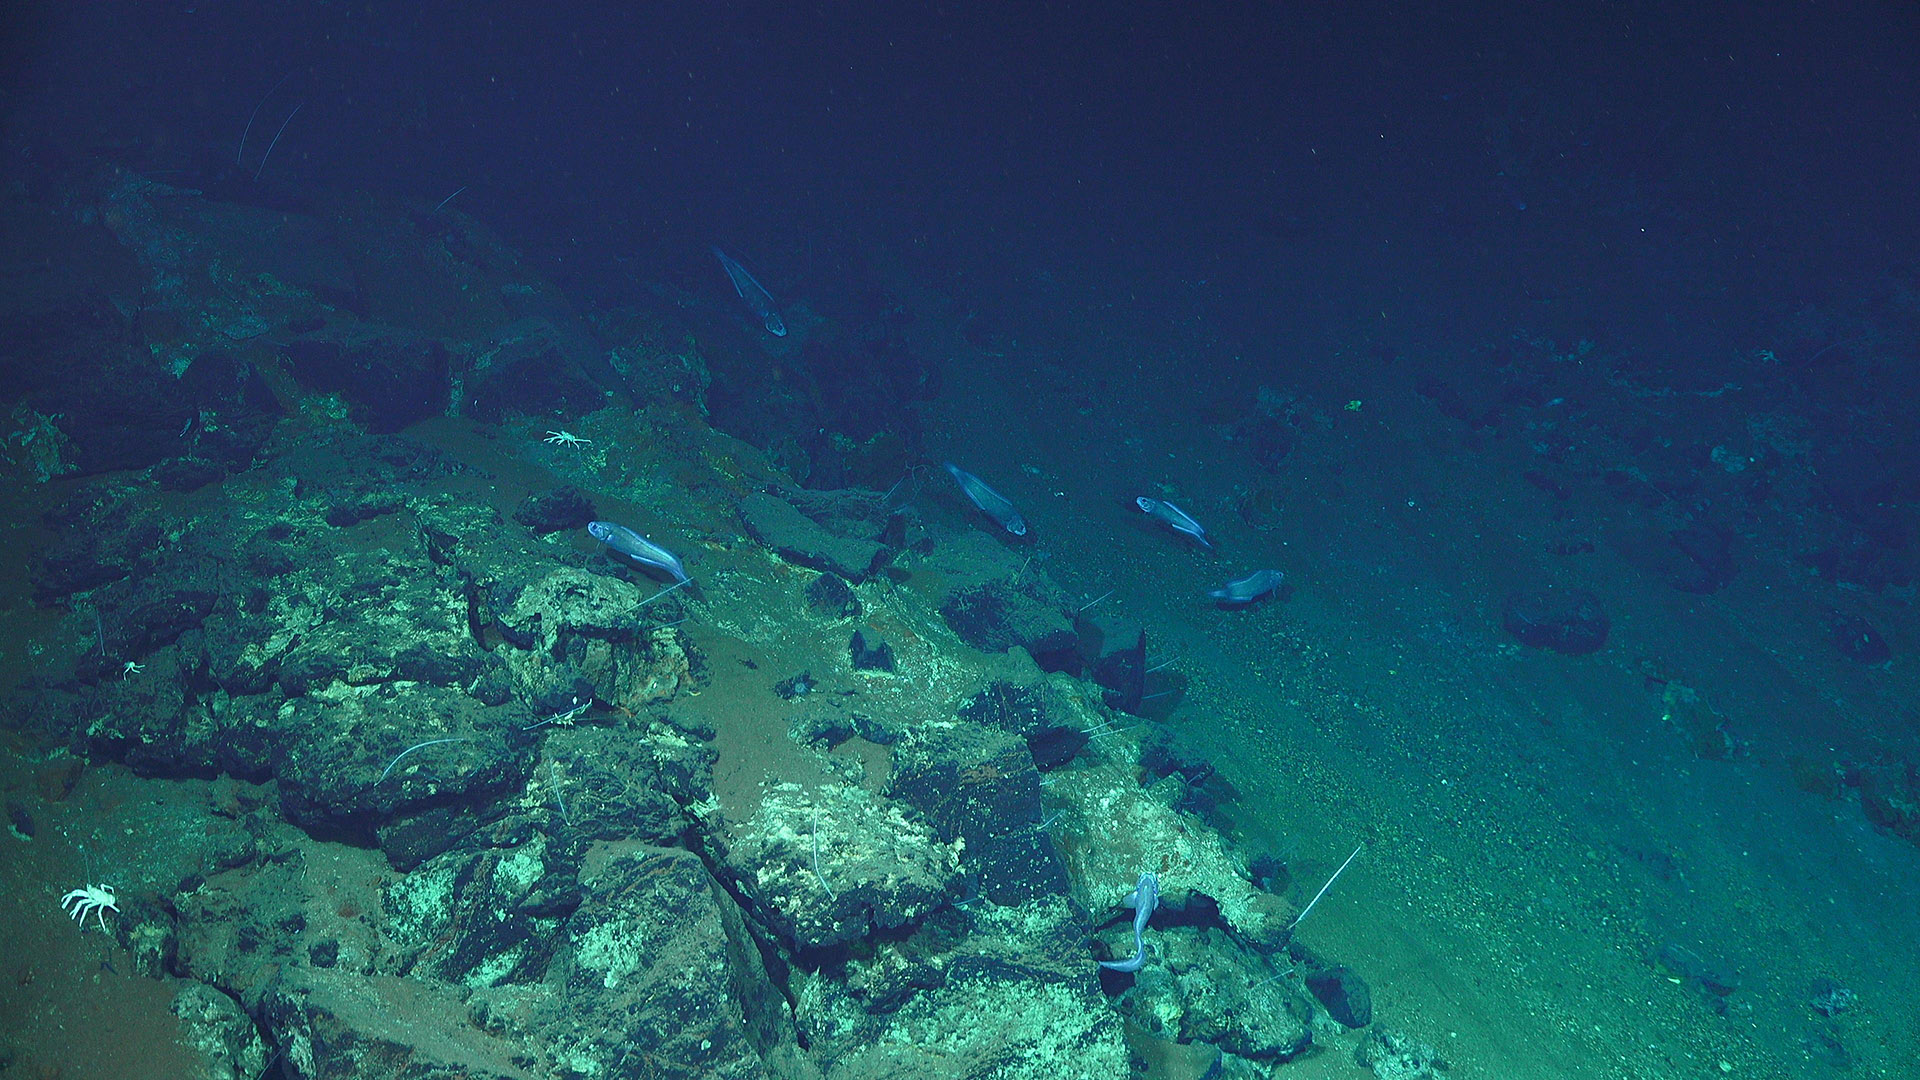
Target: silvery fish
1249, 588
757, 298
637, 547
1144, 898
1175, 517
990, 502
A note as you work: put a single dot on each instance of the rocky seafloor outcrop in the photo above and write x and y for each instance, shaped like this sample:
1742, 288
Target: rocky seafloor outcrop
455, 814
547, 883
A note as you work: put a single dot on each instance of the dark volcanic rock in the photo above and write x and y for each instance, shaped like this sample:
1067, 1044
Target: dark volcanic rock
1709, 552
539, 367
1344, 994
830, 597
1565, 620
980, 786
798, 538
1122, 673
388, 377
995, 617
1269, 439
186, 473
1856, 639
870, 654
565, 507
824, 868
1022, 711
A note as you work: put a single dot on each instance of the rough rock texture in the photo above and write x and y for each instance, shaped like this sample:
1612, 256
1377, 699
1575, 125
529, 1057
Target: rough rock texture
1391, 1055
389, 377
338, 1023
798, 538
565, 507
989, 992
829, 866
979, 786
1200, 986
1138, 830
404, 792
829, 597
1345, 995
995, 616
587, 637
525, 948
537, 366
658, 977
219, 1031
341, 770
1567, 621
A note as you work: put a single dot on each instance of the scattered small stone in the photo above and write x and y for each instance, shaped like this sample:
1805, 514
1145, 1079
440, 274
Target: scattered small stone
1829, 998
796, 686
1393, 1056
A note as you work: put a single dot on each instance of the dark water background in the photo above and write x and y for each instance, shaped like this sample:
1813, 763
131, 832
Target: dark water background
1687, 175
1526, 284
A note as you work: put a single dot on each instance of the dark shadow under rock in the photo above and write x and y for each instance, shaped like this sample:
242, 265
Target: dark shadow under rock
980, 786
564, 507
995, 617
350, 760
1203, 986
388, 377
796, 537
830, 597
1567, 621
869, 653
1857, 640
1345, 995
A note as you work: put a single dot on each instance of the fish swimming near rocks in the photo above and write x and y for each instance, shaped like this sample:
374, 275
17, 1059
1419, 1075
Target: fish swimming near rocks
1250, 588
638, 548
756, 296
1143, 899
991, 503
1178, 519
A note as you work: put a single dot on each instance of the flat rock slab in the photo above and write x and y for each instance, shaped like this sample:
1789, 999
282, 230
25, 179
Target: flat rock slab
798, 538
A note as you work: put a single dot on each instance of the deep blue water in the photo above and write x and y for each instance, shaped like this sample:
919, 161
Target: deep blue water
1565, 357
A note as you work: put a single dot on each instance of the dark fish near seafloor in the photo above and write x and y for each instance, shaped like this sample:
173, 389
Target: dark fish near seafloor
1250, 588
991, 503
1175, 517
756, 295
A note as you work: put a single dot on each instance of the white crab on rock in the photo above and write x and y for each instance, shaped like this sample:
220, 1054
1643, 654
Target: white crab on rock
565, 438
91, 900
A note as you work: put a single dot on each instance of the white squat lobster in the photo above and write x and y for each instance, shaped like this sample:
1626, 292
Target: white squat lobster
91, 900
565, 438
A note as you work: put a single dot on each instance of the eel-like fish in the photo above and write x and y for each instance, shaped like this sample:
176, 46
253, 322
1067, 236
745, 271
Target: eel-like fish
1249, 588
1143, 899
1179, 519
756, 296
637, 547
991, 503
